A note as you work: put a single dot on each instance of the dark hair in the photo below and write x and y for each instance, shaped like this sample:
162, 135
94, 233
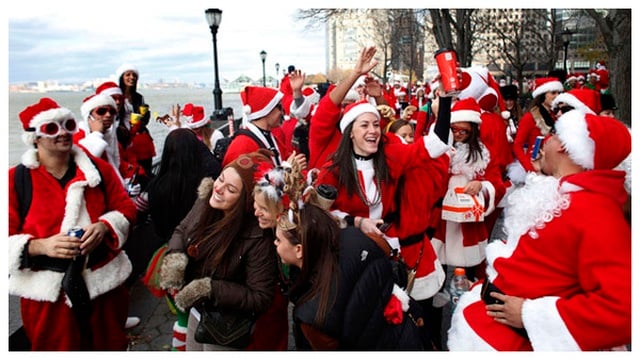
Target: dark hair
173, 190
475, 150
343, 163
319, 234
217, 230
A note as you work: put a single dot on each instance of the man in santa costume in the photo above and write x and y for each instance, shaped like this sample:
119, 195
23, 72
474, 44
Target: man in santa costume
71, 288
262, 113
97, 135
562, 279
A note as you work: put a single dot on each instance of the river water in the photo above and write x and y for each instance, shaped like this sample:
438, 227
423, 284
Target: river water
159, 101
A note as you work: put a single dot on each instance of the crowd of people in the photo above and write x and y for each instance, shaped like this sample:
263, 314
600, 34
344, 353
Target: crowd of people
352, 203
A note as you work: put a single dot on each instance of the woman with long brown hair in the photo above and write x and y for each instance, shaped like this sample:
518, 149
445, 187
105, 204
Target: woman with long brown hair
217, 256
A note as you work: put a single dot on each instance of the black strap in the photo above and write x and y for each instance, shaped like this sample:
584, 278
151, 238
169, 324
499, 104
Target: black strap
22, 185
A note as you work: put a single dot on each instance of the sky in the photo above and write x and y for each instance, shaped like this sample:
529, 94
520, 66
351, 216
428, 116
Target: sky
59, 40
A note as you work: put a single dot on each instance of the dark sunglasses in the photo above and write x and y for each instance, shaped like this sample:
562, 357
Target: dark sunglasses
564, 109
54, 128
463, 132
103, 110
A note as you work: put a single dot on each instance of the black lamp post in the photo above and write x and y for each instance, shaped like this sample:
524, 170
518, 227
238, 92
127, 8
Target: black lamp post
277, 74
566, 39
263, 57
213, 18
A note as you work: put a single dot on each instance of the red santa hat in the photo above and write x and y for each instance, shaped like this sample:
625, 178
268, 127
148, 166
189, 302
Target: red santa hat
478, 83
33, 116
594, 142
586, 100
194, 116
258, 102
352, 111
544, 85
124, 68
305, 110
109, 88
93, 101
466, 110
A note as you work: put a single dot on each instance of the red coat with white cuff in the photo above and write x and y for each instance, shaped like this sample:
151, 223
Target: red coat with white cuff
54, 210
568, 254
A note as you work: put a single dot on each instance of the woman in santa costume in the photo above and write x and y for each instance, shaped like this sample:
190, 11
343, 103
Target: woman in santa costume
462, 244
71, 288
537, 121
562, 278
366, 170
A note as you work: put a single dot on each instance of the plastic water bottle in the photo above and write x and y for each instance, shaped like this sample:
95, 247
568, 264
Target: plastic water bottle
459, 285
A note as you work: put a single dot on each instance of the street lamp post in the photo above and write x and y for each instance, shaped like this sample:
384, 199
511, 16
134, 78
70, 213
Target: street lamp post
277, 75
213, 18
566, 39
263, 57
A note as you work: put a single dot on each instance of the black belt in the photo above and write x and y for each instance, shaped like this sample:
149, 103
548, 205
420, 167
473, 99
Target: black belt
487, 288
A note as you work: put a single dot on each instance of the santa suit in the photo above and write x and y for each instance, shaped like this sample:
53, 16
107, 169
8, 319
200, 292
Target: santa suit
244, 144
46, 314
324, 136
463, 244
568, 254
380, 197
418, 190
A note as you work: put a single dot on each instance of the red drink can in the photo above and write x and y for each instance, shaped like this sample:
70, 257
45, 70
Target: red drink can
447, 61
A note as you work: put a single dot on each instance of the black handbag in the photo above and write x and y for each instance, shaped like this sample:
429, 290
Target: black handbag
231, 329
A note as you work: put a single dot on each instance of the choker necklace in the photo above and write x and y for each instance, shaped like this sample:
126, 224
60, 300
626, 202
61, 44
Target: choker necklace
363, 158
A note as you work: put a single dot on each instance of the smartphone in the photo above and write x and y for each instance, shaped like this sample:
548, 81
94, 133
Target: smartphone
383, 227
536, 147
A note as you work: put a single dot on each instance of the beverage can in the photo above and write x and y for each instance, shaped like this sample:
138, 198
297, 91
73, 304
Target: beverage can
76, 232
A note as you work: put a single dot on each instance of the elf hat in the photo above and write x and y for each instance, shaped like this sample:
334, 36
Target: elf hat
352, 111
466, 110
594, 142
258, 101
544, 85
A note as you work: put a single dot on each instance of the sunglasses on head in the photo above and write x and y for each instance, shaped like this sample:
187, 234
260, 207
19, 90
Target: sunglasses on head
460, 131
55, 128
103, 110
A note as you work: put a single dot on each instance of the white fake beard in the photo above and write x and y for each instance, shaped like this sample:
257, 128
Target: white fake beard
533, 205
459, 165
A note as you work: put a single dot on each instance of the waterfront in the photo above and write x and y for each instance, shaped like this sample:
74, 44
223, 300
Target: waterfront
159, 101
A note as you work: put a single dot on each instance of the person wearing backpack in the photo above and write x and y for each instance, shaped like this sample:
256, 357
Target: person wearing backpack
71, 285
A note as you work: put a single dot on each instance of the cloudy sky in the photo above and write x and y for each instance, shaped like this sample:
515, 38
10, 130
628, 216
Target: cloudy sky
59, 40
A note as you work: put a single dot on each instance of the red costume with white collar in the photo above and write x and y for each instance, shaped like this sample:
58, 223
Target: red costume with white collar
573, 268
48, 320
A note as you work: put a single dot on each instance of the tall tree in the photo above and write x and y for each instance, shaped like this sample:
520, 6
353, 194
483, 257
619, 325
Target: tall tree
615, 27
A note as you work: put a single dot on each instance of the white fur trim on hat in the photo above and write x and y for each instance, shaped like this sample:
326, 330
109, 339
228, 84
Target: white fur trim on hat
124, 68
94, 102
356, 111
112, 91
573, 133
260, 113
571, 100
546, 87
465, 115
